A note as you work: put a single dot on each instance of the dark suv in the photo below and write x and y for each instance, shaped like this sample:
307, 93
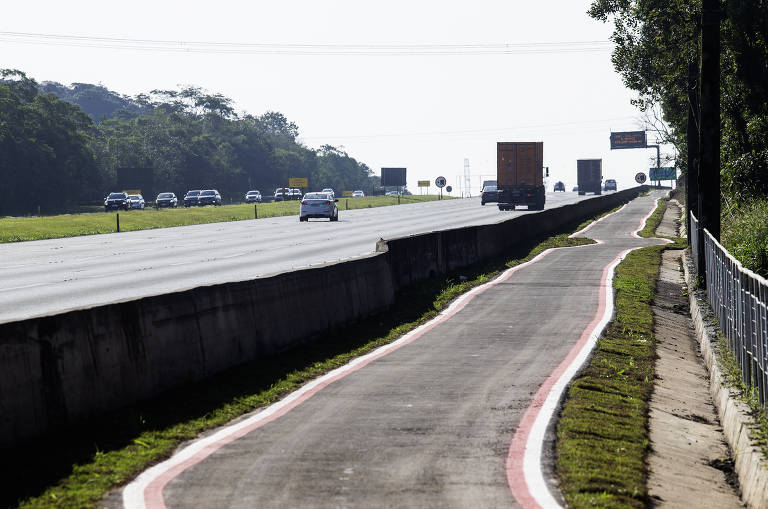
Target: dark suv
489, 194
116, 201
209, 197
610, 185
559, 186
190, 198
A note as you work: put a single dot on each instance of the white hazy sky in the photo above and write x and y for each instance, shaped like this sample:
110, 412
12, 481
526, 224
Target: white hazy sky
426, 112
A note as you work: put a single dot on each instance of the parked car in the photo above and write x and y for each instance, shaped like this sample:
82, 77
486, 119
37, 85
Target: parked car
329, 191
209, 197
610, 185
282, 193
116, 201
253, 197
136, 201
318, 205
358, 194
190, 199
166, 200
559, 186
489, 194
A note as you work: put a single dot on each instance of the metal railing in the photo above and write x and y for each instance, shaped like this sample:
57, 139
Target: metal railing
738, 298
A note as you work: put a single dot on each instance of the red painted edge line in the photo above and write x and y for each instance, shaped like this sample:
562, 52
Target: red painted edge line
514, 465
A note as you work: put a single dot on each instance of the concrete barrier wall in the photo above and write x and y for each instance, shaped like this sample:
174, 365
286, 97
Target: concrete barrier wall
60, 369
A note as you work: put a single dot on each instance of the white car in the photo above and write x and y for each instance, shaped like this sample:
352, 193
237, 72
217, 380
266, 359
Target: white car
136, 201
358, 194
318, 205
329, 191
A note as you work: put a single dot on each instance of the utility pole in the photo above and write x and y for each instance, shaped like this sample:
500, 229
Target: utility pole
692, 177
709, 144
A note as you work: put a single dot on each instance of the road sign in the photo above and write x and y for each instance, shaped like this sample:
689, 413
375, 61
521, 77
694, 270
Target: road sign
664, 173
640, 178
347, 194
423, 183
391, 177
628, 139
449, 189
440, 182
298, 182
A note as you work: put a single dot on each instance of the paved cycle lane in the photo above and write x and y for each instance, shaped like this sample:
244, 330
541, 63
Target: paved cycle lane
449, 416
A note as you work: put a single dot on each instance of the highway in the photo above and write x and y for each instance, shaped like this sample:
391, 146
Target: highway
52, 276
442, 418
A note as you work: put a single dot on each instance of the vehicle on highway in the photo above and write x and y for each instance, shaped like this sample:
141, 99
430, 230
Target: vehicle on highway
136, 201
116, 201
489, 194
209, 197
589, 176
490, 183
318, 205
575, 189
190, 199
253, 196
520, 174
610, 185
391, 193
329, 191
358, 194
282, 193
559, 186
166, 200
296, 194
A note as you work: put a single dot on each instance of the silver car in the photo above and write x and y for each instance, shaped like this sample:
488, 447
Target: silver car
318, 205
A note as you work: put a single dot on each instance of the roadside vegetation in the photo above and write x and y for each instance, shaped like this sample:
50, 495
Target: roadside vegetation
17, 229
78, 466
602, 434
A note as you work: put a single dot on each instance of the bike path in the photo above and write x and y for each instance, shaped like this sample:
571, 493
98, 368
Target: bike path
427, 422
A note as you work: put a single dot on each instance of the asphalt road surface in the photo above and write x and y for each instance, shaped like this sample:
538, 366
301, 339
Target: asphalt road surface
430, 423
52, 276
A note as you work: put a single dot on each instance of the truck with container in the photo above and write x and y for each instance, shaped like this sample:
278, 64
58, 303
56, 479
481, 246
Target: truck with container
520, 175
589, 175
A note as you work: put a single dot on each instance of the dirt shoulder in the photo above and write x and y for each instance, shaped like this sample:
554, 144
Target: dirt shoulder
690, 462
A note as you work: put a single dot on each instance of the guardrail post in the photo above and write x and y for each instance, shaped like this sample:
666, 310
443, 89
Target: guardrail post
346, 204
117, 214
255, 212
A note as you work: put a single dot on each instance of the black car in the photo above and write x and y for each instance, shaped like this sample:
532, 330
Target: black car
610, 185
489, 194
559, 186
166, 200
116, 201
190, 199
209, 197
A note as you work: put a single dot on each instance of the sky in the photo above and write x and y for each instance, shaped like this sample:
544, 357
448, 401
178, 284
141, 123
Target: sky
416, 84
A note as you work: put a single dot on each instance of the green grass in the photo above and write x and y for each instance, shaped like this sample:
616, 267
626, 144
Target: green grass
78, 466
602, 434
17, 229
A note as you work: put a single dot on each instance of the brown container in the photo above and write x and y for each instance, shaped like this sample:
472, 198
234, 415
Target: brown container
520, 163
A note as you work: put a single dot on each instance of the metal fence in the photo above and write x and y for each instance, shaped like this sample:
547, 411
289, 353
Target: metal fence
738, 298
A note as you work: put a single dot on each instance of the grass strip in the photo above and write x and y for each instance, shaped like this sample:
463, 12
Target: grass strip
82, 464
602, 433
19, 229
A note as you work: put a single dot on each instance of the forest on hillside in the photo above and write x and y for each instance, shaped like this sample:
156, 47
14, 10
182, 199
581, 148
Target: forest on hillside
61, 146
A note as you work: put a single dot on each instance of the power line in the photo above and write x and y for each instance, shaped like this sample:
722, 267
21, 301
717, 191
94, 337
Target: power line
304, 49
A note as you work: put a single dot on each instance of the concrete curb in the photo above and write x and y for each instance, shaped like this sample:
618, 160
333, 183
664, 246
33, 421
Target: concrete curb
750, 464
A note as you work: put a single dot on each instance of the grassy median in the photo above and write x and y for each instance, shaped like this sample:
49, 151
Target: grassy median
17, 229
602, 434
77, 467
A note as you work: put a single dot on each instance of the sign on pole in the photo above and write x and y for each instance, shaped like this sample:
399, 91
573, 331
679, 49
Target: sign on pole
298, 182
640, 178
664, 173
440, 182
423, 183
347, 194
628, 139
393, 177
